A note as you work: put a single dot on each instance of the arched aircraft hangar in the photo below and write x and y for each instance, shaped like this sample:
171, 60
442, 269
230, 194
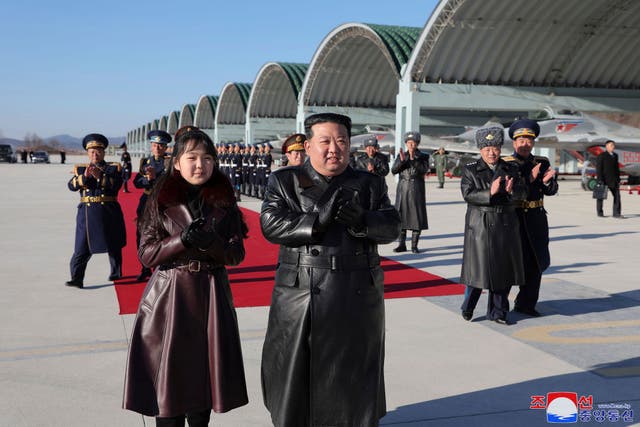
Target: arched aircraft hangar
231, 112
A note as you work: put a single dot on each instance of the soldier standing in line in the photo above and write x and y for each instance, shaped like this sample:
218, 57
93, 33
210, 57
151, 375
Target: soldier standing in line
440, 160
372, 160
235, 172
245, 170
410, 193
151, 168
125, 161
267, 160
539, 179
99, 221
253, 165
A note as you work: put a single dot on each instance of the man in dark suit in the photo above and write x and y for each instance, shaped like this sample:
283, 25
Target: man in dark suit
99, 221
608, 170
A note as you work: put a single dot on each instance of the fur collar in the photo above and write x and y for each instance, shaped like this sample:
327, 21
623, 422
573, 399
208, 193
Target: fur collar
217, 192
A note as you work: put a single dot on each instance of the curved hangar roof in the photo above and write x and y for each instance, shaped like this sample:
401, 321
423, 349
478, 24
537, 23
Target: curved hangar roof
275, 90
356, 58
569, 43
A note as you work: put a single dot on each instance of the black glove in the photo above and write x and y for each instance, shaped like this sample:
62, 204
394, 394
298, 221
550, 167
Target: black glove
327, 210
196, 236
351, 213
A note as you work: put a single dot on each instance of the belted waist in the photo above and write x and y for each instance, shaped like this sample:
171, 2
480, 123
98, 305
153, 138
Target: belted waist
497, 209
332, 262
530, 204
98, 199
147, 191
192, 265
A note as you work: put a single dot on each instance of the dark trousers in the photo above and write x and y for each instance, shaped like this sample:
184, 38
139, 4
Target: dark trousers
195, 419
497, 306
80, 259
617, 204
527, 297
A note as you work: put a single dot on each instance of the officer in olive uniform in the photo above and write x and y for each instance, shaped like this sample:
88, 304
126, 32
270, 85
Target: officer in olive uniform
151, 168
372, 160
99, 221
539, 180
293, 150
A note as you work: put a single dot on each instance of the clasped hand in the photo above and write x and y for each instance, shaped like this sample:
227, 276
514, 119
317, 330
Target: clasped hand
197, 235
350, 213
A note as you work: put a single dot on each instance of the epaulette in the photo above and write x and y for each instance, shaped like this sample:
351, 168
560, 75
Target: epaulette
144, 161
471, 163
117, 165
79, 165
509, 158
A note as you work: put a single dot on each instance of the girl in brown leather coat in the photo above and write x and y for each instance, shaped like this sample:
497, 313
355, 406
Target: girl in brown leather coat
185, 357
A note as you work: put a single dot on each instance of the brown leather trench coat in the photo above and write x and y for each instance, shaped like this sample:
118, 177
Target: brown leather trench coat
323, 355
185, 353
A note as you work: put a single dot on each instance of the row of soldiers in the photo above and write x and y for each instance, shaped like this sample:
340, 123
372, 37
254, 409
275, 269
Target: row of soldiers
248, 167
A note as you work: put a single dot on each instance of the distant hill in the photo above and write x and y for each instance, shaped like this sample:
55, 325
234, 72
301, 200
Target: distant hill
70, 143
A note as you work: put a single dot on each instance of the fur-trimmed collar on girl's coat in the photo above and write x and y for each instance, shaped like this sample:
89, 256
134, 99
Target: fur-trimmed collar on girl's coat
216, 192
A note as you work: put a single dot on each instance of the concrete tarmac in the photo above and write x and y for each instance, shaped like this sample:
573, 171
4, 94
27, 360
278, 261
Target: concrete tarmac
63, 350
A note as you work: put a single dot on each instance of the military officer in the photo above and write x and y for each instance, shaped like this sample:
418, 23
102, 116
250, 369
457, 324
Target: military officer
151, 168
267, 160
373, 160
125, 160
440, 161
99, 221
293, 150
539, 180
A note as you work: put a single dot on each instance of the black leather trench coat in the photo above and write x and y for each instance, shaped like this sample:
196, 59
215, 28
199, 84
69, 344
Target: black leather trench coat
323, 356
492, 257
185, 353
379, 161
411, 199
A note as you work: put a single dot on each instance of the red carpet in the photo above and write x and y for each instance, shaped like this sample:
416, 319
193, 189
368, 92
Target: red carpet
252, 281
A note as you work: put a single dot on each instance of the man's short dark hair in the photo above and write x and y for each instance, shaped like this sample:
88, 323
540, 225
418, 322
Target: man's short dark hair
314, 119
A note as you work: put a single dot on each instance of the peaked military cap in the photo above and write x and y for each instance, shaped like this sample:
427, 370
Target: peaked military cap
370, 141
413, 136
294, 142
524, 127
490, 136
95, 140
159, 137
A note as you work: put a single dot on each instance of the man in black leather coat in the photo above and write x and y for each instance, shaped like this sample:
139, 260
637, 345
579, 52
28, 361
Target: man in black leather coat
323, 356
373, 160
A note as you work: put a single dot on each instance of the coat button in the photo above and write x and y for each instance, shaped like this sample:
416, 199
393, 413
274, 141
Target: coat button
315, 252
316, 290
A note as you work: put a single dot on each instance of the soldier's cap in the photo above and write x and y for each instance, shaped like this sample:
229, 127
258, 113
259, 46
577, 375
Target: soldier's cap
489, 136
294, 142
123, 145
95, 140
412, 135
159, 137
370, 141
524, 127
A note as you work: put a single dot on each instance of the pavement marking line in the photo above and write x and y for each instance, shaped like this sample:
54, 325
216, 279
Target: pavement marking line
93, 347
61, 350
543, 334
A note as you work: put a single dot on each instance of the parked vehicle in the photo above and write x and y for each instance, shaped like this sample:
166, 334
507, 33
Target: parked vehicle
40, 157
8, 153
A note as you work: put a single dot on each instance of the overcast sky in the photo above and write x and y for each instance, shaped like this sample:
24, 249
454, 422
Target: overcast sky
76, 67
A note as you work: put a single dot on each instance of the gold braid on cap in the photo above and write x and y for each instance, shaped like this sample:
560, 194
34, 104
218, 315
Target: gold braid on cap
94, 144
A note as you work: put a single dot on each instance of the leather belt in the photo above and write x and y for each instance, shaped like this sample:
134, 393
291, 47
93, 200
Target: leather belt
147, 191
191, 265
530, 204
331, 262
497, 209
98, 199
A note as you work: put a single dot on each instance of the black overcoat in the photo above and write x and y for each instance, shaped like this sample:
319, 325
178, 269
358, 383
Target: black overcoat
492, 257
184, 354
608, 169
411, 196
379, 161
323, 355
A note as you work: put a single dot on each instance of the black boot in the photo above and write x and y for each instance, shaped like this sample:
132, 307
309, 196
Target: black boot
145, 273
415, 237
401, 245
